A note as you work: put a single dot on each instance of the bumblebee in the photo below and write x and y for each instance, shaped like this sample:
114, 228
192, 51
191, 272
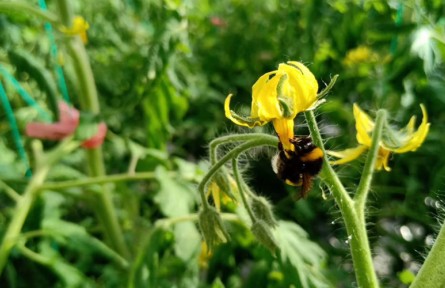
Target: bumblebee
299, 167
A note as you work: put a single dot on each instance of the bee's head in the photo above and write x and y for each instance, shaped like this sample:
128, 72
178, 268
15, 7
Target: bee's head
303, 145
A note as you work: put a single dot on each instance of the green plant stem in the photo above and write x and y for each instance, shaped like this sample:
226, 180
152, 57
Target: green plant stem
328, 174
9, 191
21, 211
25, 202
431, 273
368, 171
214, 144
260, 140
240, 183
35, 257
20, 7
89, 102
98, 180
353, 215
194, 218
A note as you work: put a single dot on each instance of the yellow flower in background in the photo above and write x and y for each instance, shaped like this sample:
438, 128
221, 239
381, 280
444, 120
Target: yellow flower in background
278, 97
402, 141
79, 27
361, 54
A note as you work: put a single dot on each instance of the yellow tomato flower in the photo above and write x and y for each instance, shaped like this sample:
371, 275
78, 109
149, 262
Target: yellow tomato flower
278, 96
401, 141
79, 27
359, 55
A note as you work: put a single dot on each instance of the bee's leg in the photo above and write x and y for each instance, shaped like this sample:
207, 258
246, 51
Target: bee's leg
306, 185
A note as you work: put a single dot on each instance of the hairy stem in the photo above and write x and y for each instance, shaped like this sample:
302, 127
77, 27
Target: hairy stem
240, 183
368, 171
353, 215
432, 274
214, 144
260, 140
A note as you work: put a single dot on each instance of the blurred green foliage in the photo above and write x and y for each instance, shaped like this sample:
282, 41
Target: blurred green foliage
162, 70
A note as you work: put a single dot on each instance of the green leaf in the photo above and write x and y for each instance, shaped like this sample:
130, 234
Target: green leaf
71, 276
26, 62
175, 198
300, 257
187, 241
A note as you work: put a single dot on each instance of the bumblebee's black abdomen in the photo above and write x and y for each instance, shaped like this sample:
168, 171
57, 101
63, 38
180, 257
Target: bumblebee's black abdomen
298, 167
313, 167
289, 169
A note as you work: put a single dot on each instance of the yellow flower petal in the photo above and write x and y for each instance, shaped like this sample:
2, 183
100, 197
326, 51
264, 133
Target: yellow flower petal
216, 195
401, 141
279, 96
265, 105
239, 120
79, 27
285, 131
303, 83
416, 139
364, 125
204, 256
347, 155
383, 159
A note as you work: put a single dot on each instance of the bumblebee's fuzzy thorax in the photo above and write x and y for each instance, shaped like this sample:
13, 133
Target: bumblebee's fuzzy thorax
298, 167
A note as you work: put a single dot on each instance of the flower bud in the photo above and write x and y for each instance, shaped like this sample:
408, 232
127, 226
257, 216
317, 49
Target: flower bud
263, 234
212, 227
263, 211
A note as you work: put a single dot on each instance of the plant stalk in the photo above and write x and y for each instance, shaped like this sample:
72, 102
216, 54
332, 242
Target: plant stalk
89, 102
352, 214
260, 140
97, 180
21, 212
431, 273
25, 202
239, 182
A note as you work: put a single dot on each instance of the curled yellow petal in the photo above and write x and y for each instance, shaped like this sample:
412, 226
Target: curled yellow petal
416, 139
364, 125
347, 155
240, 120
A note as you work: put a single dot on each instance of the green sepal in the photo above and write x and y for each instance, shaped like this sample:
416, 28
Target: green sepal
263, 234
286, 102
328, 88
212, 227
247, 121
262, 210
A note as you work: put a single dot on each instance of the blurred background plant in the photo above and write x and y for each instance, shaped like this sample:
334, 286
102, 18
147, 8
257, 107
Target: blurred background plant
162, 70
